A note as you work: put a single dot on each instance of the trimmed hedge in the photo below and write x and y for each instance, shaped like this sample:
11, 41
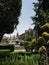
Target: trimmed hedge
10, 47
4, 53
22, 53
4, 50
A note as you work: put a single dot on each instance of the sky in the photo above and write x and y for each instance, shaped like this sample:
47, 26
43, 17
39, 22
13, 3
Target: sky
25, 20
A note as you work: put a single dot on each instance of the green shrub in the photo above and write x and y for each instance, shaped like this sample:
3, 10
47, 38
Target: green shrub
33, 59
22, 43
22, 53
4, 53
10, 47
4, 50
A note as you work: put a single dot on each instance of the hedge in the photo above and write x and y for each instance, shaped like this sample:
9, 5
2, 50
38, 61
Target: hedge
22, 53
4, 47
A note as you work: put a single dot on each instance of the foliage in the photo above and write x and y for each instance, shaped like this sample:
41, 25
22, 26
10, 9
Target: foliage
33, 42
21, 53
42, 49
41, 21
4, 50
45, 5
9, 14
27, 45
10, 47
29, 37
45, 35
48, 42
42, 14
45, 28
40, 41
22, 43
21, 60
4, 53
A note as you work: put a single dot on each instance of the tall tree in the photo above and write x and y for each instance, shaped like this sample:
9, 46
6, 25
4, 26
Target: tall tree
42, 14
41, 21
9, 14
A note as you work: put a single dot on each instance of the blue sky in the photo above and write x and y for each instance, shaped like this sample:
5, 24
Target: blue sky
24, 20
26, 13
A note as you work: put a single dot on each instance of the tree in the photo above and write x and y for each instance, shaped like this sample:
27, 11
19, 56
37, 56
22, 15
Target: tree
43, 41
43, 49
45, 28
33, 44
41, 21
29, 37
36, 43
40, 41
26, 45
45, 35
42, 14
45, 5
22, 43
9, 14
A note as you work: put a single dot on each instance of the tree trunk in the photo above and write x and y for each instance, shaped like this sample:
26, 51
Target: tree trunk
46, 58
